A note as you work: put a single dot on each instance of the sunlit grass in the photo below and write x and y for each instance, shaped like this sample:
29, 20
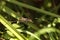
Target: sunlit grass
43, 23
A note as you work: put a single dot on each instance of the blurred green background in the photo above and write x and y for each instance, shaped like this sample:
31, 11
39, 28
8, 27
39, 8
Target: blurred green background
29, 19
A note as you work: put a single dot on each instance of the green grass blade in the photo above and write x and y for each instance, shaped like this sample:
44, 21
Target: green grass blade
10, 12
33, 8
32, 35
48, 30
11, 28
45, 30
